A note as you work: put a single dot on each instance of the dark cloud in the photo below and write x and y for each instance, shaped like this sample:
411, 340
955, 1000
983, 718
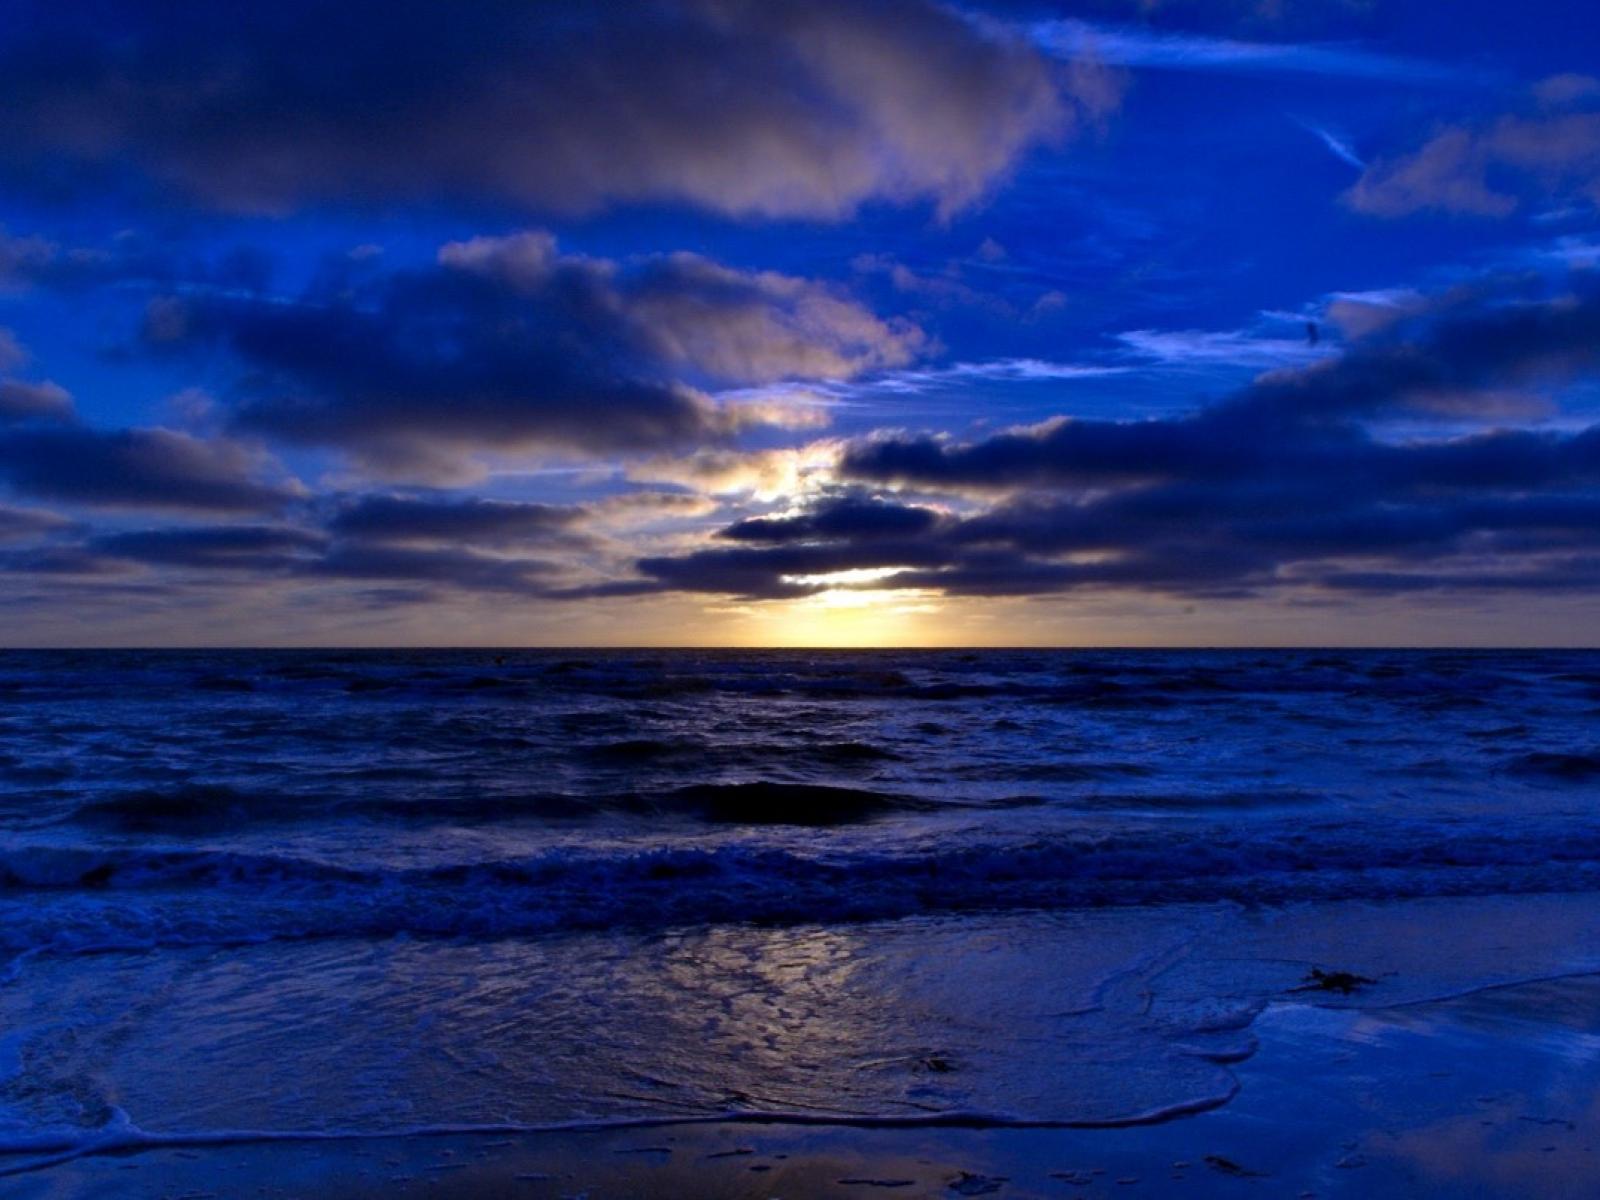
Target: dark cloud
472, 520
218, 547
66, 562
1291, 483
507, 344
1578, 573
853, 517
749, 107
785, 571
1308, 422
461, 569
262, 552
138, 468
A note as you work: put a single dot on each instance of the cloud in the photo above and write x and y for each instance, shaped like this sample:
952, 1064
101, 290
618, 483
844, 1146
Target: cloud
1339, 147
1288, 484
1488, 171
452, 568
24, 401
1127, 46
1457, 362
61, 563
21, 258
139, 468
387, 544
759, 327
1299, 483
380, 518
12, 355
760, 474
999, 370
1202, 347
1559, 91
254, 548
17, 524
851, 517
507, 345
773, 108
783, 571
1360, 314
21, 401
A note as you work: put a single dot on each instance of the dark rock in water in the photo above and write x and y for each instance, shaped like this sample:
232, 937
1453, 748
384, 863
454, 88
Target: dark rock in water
767, 803
1343, 982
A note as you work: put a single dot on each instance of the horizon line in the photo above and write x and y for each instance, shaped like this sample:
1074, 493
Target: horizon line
974, 648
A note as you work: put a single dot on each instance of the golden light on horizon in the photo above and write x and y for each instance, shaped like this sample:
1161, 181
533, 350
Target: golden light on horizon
847, 612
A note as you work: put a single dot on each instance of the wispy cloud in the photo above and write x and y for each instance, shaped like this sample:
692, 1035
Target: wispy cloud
921, 381
1120, 45
1214, 348
999, 370
1341, 149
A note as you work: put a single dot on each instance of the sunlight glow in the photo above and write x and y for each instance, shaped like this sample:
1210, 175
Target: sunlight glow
848, 616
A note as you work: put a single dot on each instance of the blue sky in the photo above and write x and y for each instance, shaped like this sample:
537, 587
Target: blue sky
720, 322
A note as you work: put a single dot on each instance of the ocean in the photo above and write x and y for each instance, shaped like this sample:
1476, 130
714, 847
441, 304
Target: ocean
251, 894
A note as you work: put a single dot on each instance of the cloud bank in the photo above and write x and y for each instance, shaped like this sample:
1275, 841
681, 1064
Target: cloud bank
1292, 483
771, 108
508, 345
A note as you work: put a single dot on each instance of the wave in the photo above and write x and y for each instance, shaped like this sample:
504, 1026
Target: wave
767, 803
200, 807
1094, 679
1568, 767
75, 898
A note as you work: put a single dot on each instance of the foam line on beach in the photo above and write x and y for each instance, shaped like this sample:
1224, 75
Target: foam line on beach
122, 1136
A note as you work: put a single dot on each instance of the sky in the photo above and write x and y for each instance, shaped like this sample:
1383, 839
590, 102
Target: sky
800, 322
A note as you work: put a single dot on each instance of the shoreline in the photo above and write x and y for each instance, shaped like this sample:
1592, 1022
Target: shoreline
1486, 1093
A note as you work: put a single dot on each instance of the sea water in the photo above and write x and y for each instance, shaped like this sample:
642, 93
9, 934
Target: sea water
261, 893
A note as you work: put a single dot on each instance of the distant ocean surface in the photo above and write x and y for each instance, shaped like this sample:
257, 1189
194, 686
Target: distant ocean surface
347, 892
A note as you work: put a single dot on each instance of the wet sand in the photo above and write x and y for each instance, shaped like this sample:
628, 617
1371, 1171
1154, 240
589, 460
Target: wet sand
1494, 1094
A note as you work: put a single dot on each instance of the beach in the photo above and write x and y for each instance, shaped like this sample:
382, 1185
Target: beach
1487, 1095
